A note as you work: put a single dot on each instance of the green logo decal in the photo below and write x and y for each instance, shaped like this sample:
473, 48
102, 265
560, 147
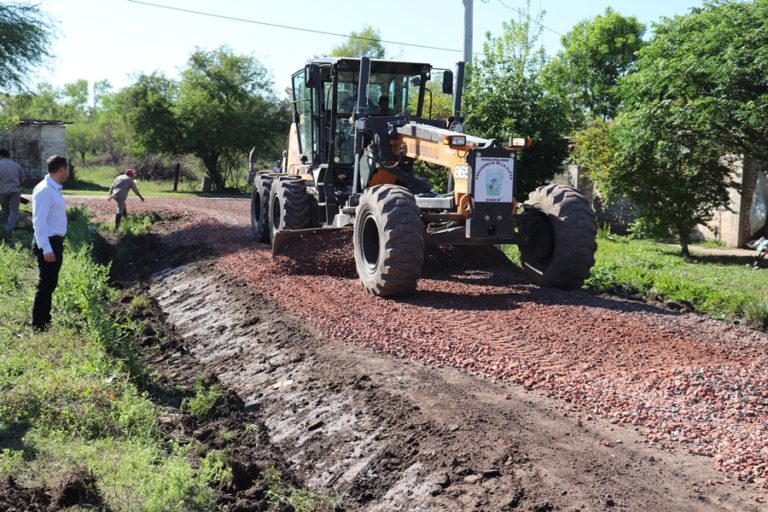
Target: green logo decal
493, 182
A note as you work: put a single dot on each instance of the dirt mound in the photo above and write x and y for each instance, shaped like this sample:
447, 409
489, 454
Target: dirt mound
75, 486
14, 498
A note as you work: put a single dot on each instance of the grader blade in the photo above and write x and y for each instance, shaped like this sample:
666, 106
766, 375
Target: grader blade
286, 237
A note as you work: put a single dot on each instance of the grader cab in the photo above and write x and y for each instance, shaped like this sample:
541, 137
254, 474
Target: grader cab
359, 125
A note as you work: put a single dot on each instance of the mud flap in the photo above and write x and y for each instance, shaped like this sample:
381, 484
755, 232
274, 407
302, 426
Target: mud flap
285, 237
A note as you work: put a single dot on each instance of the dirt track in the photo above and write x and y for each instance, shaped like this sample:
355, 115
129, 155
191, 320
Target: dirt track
520, 397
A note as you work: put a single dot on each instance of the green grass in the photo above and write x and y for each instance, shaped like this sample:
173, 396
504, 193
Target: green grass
70, 397
720, 287
96, 180
279, 495
204, 402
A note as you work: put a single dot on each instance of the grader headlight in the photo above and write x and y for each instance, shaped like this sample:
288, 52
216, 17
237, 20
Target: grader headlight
455, 141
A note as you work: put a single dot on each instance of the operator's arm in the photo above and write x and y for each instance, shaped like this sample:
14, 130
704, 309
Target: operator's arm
136, 190
111, 189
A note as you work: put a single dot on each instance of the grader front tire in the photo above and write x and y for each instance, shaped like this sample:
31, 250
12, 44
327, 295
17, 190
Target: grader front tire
561, 232
388, 241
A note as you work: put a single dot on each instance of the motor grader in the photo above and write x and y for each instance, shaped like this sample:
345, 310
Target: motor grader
350, 162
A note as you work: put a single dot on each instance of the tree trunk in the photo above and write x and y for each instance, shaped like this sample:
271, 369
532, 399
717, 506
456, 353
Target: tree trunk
685, 238
211, 163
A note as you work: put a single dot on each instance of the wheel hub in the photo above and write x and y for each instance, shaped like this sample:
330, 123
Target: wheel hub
370, 242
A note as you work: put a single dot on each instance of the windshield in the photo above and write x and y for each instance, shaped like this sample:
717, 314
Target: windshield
388, 93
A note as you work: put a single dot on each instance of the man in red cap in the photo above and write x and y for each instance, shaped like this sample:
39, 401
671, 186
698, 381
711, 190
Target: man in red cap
119, 192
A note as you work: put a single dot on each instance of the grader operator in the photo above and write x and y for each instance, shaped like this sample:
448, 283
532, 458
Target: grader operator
350, 162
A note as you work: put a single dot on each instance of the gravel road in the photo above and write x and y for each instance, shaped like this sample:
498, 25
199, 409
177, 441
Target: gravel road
684, 383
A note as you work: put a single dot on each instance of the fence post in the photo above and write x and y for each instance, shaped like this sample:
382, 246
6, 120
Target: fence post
176, 177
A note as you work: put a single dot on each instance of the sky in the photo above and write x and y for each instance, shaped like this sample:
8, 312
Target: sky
118, 40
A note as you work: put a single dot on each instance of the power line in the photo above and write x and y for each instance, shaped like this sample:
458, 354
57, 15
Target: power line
289, 27
522, 13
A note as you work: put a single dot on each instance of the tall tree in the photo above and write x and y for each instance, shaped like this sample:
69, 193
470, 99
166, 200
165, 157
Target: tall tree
714, 63
148, 107
226, 106
596, 53
366, 43
25, 36
699, 94
504, 97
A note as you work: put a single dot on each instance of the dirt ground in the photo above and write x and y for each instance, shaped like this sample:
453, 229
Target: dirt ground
479, 392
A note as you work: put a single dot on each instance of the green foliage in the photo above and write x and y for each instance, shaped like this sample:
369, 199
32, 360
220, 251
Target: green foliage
673, 177
132, 474
83, 139
148, 107
596, 53
595, 149
712, 64
11, 271
504, 97
224, 107
279, 494
204, 402
698, 94
75, 403
366, 43
215, 468
26, 35
10, 461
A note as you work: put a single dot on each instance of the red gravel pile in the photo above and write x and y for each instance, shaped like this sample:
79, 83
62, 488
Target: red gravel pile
324, 254
686, 382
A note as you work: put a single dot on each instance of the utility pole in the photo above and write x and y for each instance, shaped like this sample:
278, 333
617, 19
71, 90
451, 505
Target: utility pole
468, 31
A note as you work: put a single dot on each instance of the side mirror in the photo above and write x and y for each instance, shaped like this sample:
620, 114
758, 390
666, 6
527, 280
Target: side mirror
312, 76
296, 117
448, 82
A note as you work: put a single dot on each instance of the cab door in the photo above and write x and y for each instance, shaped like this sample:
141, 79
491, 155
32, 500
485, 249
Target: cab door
302, 143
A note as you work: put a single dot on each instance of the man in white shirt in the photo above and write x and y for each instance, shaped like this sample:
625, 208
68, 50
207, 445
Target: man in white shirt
49, 220
11, 177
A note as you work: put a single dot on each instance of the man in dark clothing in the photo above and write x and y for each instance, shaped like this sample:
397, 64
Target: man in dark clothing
49, 220
11, 177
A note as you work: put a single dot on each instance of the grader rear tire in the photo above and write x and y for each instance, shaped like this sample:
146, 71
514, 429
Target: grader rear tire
388, 241
260, 207
561, 231
288, 205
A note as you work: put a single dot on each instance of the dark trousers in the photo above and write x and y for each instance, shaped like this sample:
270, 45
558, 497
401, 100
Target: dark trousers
49, 278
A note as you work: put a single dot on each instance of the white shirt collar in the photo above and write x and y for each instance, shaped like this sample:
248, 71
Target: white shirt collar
53, 183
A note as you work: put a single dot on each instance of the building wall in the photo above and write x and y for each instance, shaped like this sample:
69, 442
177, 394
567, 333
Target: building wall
617, 215
31, 145
732, 225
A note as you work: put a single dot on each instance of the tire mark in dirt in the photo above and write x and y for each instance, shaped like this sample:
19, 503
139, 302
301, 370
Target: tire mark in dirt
389, 434
687, 382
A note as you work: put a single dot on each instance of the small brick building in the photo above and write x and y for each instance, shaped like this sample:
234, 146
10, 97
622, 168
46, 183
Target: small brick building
31, 143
